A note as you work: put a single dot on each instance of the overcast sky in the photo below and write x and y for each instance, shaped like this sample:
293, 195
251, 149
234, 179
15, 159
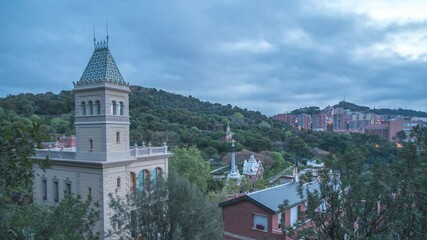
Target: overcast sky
270, 56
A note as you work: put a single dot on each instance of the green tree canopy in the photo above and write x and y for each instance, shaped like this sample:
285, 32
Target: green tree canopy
175, 209
189, 163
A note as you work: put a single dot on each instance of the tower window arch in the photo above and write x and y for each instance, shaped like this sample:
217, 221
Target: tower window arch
90, 105
83, 108
122, 108
114, 107
144, 180
97, 107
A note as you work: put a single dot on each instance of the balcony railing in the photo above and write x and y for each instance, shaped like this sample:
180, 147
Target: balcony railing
70, 153
140, 151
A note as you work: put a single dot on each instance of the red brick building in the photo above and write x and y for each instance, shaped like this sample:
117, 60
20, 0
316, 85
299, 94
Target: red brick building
257, 215
287, 118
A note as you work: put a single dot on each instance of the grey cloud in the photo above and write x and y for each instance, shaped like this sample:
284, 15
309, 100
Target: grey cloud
286, 55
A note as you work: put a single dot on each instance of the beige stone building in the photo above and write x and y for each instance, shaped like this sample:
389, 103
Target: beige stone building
102, 162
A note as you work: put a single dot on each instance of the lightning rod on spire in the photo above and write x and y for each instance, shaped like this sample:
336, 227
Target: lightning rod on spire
107, 32
94, 39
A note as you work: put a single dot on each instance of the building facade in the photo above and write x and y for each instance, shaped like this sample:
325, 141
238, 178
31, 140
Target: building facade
102, 162
257, 215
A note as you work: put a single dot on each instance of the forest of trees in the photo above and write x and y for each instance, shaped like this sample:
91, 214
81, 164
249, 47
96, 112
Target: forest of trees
373, 168
361, 199
19, 217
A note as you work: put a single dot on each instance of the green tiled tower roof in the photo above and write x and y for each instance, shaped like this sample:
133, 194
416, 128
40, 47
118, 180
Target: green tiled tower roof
101, 67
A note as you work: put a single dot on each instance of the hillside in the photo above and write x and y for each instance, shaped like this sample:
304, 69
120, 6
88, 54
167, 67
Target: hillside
381, 111
158, 116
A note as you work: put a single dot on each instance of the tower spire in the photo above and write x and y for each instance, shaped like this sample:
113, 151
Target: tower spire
234, 173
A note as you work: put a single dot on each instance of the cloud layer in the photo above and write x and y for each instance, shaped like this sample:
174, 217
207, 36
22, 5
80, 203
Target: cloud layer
270, 56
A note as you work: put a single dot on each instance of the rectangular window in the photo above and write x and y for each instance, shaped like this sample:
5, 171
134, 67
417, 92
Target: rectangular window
44, 189
90, 190
117, 137
91, 144
118, 182
55, 192
68, 188
260, 222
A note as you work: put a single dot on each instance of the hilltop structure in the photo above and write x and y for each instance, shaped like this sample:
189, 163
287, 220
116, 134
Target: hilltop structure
228, 134
234, 174
253, 169
102, 162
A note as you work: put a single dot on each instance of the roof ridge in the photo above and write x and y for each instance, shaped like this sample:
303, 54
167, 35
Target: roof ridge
281, 185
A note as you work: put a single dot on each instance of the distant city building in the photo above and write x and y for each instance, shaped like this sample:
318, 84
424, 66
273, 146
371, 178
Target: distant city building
287, 118
389, 129
318, 122
102, 161
303, 121
343, 120
339, 122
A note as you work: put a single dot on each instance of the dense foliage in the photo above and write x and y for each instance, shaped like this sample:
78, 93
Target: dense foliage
370, 199
190, 164
73, 218
175, 209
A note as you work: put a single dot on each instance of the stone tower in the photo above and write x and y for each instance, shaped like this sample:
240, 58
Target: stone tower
103, 162
102, 109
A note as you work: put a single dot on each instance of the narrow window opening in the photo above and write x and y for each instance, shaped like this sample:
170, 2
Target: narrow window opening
90, 107
90, 191
90, 144
83, 108
114, 105
55, 191
118, 182
117, 137
121, 108
98, 107
44, 182
68, 188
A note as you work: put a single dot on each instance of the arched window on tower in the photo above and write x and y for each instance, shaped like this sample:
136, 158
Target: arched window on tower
114, 108
90, 105
122, 108
156, 175
98, 107
83, 108
144, 180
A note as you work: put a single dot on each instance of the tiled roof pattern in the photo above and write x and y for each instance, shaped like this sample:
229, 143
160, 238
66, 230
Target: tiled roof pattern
273, 197
101, 67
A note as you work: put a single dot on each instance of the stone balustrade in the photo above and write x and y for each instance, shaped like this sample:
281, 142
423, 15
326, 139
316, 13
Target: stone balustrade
70, 153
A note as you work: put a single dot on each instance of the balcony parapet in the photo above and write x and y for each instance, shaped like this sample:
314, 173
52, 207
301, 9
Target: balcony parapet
71, 153
141, 151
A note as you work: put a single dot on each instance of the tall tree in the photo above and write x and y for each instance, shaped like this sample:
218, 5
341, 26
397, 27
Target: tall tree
175, 210
359, 199
19, 217
189, 163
